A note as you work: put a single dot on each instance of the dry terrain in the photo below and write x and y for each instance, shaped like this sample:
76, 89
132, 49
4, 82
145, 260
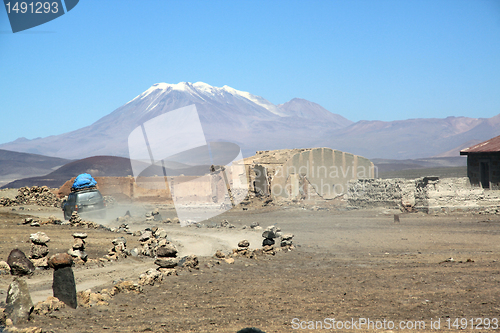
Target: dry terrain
347, 265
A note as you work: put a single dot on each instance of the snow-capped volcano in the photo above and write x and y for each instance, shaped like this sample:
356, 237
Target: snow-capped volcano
206, 92
226, 114
254, 123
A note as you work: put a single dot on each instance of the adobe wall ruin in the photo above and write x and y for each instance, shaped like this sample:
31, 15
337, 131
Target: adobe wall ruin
428, 194
305, 173
157, 189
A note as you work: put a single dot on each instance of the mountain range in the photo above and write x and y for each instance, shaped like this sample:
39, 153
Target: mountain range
252, 122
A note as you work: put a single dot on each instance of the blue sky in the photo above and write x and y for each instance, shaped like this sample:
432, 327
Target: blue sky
366, 60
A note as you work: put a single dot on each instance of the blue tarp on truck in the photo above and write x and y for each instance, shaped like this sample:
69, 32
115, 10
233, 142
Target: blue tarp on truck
83, 180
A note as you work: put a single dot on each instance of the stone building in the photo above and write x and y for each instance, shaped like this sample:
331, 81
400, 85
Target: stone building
483, 164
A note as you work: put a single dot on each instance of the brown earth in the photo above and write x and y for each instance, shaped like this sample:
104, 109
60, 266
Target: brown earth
347, 265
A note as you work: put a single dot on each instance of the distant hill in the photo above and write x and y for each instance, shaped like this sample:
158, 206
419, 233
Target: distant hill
97, 166
252, 122
15, 165
103, 166
415, 168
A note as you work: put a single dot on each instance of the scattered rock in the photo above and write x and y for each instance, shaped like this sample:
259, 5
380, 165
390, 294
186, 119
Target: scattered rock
18, 304
39, 251
268, 249
269, 234
150, 277
167, 262
88, 299
78, 244
167, 271
168, 250
286, 240
229, 260
145, 236
60, 260
78, 254
42, 262
253, 225
190, 262
268, 241
160, 233
19, 264
39, 238
244, 243
50, 305
126, 286
80, 235
135, 252
4, 268
119, 240
219, 254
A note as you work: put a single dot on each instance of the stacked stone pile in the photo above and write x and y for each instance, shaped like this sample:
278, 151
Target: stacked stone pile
76, 221
152, 239
286, 241
63, 283
39, 249
78, 249
119, 249
35, 195
270, 234
166, 258
7, 202
243, 249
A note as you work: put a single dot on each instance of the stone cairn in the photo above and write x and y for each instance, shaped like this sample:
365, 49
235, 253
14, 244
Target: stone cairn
19, 304
151, 239
168, 264
119, 249
35, 195
63, 283
273, 232
286, 242
39, 249
243, 249
270, 234
76, 221
77, 251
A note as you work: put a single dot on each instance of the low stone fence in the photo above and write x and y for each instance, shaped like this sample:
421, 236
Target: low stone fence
427, 194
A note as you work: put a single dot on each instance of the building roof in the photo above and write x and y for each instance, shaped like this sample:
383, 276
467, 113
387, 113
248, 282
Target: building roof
488, 146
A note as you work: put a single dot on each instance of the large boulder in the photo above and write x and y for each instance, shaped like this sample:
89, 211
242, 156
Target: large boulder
64, 287
167, 250
167, 262
40, 238
60, 260
18, 304
19, 264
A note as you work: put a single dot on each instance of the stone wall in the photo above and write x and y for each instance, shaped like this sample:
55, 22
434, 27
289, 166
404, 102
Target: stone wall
427, 194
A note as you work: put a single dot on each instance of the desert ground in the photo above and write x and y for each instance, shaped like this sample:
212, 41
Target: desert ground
347, 264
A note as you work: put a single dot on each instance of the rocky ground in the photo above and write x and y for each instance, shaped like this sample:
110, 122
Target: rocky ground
346, 265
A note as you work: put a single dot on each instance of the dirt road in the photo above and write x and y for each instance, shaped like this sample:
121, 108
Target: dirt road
347, 265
